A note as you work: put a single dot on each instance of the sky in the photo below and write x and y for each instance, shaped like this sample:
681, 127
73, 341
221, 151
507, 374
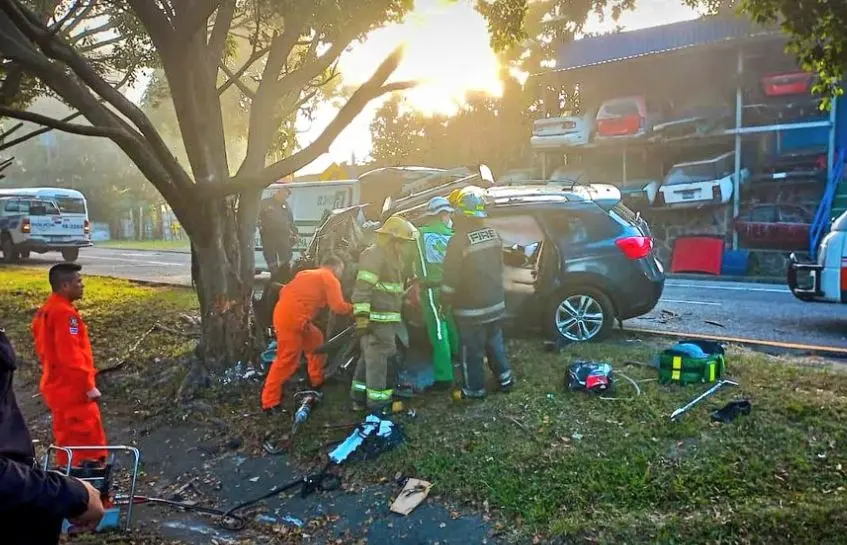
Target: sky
447, 51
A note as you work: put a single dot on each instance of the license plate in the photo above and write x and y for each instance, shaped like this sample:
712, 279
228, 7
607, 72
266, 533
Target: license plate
568, 125
688, 195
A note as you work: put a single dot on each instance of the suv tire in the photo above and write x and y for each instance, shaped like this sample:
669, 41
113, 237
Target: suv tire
70, 254
581, 314
10, 255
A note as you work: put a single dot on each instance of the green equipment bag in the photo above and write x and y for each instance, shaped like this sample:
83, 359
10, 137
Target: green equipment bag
691, 362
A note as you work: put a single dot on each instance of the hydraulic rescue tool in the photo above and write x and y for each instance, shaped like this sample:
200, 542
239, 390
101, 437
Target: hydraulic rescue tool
708, 393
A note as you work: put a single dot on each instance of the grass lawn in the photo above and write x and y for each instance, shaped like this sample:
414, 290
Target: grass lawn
150, 245
551, 466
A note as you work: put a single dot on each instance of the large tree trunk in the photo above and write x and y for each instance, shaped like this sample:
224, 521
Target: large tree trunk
223, 275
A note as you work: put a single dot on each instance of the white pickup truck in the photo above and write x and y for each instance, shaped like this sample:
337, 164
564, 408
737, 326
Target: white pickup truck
826, 280
29, 224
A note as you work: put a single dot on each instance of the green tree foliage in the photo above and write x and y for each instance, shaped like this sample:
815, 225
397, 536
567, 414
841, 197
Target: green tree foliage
816, 30
495, 130
278, 54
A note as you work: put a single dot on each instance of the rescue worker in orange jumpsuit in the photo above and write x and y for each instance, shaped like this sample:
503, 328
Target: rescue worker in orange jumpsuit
67, 382
299, 301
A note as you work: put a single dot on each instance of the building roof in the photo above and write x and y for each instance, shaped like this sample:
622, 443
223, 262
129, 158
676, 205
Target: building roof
622, 46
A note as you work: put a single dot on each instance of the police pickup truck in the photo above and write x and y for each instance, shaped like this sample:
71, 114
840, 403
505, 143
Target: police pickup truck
826, 280
30, 224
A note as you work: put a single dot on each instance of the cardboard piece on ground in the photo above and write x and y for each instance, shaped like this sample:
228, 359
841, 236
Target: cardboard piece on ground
411, 496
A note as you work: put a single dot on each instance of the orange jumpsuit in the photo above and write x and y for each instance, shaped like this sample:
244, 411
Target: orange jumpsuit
299, 301
63, 347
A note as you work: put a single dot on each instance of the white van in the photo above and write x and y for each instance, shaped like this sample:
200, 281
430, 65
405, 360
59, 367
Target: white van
310, 203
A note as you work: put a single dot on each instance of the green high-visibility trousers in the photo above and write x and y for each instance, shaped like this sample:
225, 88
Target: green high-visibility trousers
443, 336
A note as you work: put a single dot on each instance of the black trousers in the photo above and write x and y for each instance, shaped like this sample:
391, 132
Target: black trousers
28, 527
277, 252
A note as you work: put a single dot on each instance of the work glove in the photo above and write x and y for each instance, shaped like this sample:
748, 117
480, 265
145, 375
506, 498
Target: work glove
362, 323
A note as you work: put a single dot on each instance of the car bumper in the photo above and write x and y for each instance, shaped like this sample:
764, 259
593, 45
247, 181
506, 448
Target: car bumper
557, 141
804, 280
42, 245
643, 291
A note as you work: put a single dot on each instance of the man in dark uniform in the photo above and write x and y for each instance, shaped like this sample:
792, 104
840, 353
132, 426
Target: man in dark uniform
472, 287
33, 503
279, 234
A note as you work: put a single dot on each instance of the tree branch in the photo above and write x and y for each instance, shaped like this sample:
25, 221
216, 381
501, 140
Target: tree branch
6, 134
37, 132
93, 31
233, 77
55, 48
217, 38
370, 90
156, 22
236, 80
192, 16
299, 78
99, 45
57, 26
83, 15
73, 128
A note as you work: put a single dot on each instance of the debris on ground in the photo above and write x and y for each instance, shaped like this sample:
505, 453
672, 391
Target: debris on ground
412, 495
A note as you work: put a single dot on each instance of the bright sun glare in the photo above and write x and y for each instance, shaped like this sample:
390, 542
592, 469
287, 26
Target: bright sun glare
446, 51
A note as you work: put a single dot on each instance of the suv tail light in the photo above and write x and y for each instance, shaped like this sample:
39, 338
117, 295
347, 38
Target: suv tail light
635, 247
26, 226
86, 227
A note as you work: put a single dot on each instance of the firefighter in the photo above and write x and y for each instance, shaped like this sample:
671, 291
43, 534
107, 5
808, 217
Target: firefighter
68, 374
299, 302
432, 246
377, 304
278, 233
472, 287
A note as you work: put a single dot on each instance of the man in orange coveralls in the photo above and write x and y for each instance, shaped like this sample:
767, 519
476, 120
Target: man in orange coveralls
67, 380
299, 301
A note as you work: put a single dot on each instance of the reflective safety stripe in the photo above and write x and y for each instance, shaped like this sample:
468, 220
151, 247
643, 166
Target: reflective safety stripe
474, 312
361, 308
506, 378
367, 276
677, 368
447, 289
380, 395
390, 287
357, 386
386, 317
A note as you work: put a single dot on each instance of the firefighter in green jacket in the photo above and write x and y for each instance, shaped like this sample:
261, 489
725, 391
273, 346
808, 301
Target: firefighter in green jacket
429, 268
377, 303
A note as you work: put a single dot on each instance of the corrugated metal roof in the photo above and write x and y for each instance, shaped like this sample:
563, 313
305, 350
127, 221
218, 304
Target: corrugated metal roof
651, 41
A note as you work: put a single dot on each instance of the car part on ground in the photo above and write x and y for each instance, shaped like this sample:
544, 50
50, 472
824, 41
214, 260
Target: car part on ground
732, 410
589, 376
708, 393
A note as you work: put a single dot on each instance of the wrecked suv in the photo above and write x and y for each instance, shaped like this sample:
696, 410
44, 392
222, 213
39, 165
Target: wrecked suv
575, 258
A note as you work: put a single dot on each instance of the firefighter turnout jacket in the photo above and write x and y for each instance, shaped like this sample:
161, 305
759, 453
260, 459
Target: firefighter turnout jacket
378, 294
472, 285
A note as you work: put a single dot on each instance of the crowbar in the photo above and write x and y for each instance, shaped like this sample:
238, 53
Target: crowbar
708, 393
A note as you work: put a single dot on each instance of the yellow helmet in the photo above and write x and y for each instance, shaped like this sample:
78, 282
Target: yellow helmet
454, 197
397, 227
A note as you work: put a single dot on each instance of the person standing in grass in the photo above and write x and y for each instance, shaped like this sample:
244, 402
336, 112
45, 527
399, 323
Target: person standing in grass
68, 373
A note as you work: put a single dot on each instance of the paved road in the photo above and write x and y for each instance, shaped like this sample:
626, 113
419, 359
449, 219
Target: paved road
756, 311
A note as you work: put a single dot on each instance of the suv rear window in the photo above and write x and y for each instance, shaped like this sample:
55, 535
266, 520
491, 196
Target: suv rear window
620, 108
701, 172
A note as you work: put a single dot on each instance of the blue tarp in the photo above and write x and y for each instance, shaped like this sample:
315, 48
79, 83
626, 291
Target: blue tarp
651, 41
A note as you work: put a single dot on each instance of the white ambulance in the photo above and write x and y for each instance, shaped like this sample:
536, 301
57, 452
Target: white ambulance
826, 280
310, 203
